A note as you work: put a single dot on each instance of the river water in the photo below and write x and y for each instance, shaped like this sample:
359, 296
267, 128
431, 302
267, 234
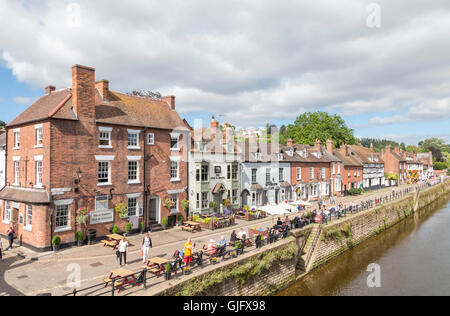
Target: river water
413, 257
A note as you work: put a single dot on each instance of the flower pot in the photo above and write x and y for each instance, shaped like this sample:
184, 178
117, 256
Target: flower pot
79, 243
55, 247
167, 275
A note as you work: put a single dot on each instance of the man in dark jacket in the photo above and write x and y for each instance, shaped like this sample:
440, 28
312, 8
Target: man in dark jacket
10, 234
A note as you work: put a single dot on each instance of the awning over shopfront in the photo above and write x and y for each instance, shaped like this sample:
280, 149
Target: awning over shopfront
256, 187
25, 195
300, 202
285, 184
218, 188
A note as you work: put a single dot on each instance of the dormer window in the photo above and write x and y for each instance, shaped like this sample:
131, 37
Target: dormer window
258, 156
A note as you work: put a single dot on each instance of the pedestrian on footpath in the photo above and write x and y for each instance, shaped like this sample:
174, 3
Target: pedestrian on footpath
146, 245
188, 254
123, 248
10, 234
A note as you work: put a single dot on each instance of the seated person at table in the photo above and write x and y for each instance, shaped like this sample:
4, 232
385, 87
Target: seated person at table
242, 235
211, 247
279, 222
233, 238
222, 242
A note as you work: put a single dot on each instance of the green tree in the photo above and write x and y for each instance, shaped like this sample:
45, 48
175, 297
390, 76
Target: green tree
434, 142
2, 124
320, 125
412, 149
439, 165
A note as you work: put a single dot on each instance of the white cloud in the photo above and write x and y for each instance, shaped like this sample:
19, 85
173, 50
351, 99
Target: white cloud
25, 100
249, 61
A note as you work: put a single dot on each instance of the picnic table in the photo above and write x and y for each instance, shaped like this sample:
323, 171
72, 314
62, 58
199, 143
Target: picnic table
112, 240
156, 265
127, 277
191, 226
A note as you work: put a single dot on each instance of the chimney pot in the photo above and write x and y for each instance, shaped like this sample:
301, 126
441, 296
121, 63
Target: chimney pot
170, 100
290, 142
49, 89
103, 88
317, 144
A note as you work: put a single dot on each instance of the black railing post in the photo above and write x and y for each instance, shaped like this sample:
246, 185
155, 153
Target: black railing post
112, 284
74, 292
145, 278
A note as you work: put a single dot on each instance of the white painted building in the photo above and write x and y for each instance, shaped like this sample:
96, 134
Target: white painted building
2, 160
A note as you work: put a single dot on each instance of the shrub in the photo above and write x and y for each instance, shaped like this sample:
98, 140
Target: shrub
180, 218
207, 220
164, 222
128, 227
56, 240
115, 229
195, 218
79, 236
142, 225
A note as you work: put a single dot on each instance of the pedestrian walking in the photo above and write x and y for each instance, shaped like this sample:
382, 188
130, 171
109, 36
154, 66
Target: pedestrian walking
10, 234
188, 254
123, 248
146, 245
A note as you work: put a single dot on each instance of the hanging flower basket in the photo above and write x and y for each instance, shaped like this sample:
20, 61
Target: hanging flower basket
168, 203
121, 210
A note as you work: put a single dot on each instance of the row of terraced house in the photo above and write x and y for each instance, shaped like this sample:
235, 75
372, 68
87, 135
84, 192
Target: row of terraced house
88, 147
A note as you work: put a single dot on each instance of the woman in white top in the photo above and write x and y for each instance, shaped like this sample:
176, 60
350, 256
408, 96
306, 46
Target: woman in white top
146, 245
123, 247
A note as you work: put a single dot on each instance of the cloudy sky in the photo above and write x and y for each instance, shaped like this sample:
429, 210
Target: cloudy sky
249, 62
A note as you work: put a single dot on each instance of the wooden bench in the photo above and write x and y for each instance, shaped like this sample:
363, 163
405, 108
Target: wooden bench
188, 228
109, 243
152, 269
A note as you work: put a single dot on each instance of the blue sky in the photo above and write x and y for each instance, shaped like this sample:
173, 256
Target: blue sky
384, 69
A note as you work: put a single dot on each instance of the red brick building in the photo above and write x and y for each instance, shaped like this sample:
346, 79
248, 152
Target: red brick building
395, 163
90, 147
352, 175
315, 172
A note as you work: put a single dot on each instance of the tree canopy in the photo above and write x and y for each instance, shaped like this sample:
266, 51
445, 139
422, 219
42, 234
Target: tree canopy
2, 124
318, 125
379, 144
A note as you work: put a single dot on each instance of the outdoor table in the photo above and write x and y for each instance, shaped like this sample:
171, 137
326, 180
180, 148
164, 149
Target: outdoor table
156, 265
112, 240
191, 226
127, 277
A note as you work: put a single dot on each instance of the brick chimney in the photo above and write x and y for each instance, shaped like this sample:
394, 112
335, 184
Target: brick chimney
397, 150
49, 89
388, 149
317, 144
343, 149
103, 87
170, 100
330, 146
214, 125
83, 91
290, 142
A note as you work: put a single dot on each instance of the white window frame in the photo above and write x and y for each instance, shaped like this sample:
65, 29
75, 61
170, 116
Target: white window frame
38, 180
28, 217
174, 197
311, 173
254, 172
150, 139
108, 182
137, 160
174, 136
299, 173
323, 173
68, 226
39, 136
16, 138
136, 214
106, 131
134, 132
16, 166
7, 215
177, 162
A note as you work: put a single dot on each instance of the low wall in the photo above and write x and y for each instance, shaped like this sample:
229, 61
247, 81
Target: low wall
340, 236
273, 267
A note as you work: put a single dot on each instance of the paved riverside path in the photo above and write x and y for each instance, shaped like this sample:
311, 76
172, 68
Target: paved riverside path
28, 273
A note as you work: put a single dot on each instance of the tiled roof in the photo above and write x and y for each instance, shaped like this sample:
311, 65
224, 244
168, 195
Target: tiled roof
348, 160
122, 109
44, 106
24, 195
365, 154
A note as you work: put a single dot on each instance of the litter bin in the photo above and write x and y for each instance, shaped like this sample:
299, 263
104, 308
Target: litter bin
91, 236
